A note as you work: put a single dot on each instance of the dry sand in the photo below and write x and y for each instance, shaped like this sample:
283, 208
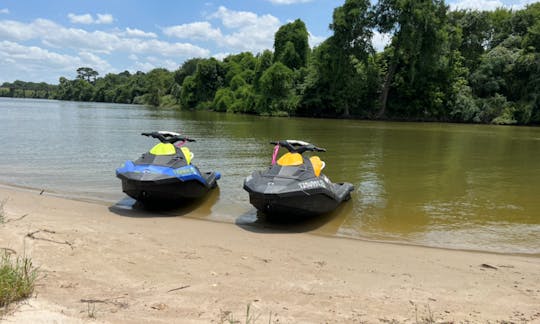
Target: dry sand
98, 265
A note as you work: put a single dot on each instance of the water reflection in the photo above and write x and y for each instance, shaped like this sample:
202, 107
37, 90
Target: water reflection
195, 208
327, 224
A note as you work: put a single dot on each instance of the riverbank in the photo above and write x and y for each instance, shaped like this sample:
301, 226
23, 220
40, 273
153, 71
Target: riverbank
99, 264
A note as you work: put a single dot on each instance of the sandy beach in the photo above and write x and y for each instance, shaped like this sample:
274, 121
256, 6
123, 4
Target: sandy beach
101, 265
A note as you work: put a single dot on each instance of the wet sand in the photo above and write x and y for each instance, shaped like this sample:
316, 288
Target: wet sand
105, 265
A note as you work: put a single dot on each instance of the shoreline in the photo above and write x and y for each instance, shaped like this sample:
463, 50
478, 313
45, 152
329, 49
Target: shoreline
142, 268
104, 202
329, 117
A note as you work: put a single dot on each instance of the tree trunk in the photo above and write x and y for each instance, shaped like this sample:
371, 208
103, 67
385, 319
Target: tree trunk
383, 99
386, 88
346, 113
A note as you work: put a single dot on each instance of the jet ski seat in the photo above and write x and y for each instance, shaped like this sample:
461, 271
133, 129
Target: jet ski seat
291, 159
187, 154
294, 159
170, 149
318, 164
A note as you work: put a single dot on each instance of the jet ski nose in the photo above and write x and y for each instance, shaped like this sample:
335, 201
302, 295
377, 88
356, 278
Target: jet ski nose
146, 175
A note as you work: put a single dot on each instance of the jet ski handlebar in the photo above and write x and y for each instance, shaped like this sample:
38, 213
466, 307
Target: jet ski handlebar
298, 146
168, 137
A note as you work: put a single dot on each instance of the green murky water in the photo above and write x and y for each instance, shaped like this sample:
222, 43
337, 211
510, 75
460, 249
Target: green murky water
446, 185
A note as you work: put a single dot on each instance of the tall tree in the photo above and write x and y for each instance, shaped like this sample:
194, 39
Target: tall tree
291, 46
416, 27
349, 45
276, 87
87, 73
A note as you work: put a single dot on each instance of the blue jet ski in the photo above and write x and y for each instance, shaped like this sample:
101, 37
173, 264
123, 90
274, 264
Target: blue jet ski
166, 173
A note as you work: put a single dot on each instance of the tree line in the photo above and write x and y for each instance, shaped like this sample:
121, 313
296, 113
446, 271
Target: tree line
440, 65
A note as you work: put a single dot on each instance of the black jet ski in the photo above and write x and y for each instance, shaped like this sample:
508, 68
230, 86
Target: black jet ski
166, 173
294, 184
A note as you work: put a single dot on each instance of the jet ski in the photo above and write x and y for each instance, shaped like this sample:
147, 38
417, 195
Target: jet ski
166, 172
294, 184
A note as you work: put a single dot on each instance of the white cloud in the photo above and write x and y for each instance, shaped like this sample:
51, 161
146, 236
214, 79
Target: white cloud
10, 29
33, 54
252, 32
54, 35
198, 30
380, 41
315, 40
95, 61
288, 2
81, 19
152, 62
488, 5
220, 56
33, 63
167, 64
139, 33
104, 19
88, 19
143, 66
476, 4
244, 30
239, 19
4, 11
522, 4
163, 48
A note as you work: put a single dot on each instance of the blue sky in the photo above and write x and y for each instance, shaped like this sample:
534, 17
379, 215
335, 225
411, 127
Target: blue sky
44, 40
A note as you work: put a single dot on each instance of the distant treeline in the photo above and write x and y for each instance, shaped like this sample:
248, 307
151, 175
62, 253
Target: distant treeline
441, 65
21, 89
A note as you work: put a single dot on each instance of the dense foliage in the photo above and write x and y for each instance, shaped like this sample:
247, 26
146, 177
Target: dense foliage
440, 65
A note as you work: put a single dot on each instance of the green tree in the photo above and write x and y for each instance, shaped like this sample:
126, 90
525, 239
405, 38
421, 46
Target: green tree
188, 68
291, 46
208, 79
86, 73
264, 61
419, 38
158, 84
333, 80
188, 93
276, 87
474, 30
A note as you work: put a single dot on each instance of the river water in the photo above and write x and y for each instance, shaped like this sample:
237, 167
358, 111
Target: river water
444, 185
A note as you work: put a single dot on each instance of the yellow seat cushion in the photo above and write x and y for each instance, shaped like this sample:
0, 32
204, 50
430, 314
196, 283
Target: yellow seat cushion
294, 159
318, 165
169, 149
187, 154
163, 149
290, 159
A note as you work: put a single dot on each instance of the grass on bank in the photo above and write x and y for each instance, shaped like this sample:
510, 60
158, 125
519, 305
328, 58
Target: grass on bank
17, 279
228, 318
2, 211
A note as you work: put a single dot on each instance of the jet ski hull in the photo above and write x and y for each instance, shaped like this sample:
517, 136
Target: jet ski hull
154, 184
168, 189
300, 204
289, 198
